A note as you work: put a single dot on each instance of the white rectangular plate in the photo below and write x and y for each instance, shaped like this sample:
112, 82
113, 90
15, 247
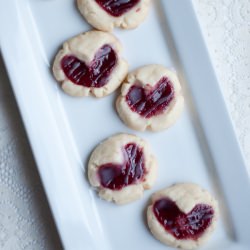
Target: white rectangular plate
200, 148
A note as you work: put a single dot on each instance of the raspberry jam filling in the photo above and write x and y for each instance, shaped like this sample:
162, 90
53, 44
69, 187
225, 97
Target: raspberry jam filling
116, 176
117, 8
96, 74
181, 225
150, 103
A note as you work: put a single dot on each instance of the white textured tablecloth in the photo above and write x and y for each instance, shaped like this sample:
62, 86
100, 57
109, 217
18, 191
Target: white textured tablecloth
25, 219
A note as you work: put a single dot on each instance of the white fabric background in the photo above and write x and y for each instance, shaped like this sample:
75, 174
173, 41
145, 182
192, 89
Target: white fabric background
25, 219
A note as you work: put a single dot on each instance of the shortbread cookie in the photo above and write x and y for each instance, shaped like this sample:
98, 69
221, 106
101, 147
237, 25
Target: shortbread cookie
105, 15
121, 168
90, 64
182, 216
151, 99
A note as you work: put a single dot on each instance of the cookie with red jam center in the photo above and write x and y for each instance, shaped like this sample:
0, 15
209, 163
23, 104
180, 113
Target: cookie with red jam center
105, 15
121, 168
151, 99
183, 215
90, 64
